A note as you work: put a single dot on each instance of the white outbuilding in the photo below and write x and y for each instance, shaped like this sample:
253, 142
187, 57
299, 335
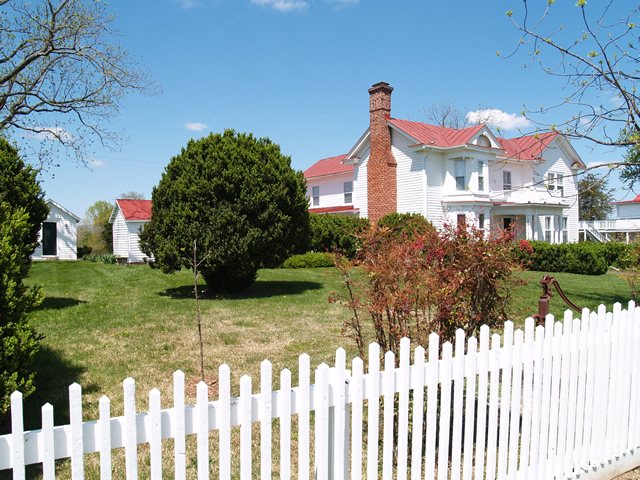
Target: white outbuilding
129, 218
58, 235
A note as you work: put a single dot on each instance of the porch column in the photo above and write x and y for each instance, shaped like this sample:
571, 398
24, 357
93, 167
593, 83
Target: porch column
529, 228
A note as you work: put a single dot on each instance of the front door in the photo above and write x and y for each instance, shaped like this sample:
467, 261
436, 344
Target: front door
49, 239
506, 223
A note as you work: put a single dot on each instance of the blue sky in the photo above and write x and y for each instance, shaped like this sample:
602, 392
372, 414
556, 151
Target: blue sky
297, 71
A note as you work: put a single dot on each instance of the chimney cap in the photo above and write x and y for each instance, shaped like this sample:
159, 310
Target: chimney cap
380, 86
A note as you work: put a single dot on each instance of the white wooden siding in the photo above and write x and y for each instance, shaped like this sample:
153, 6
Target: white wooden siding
410, 174
360, 200
126, 238
135, 254
66, 233
120, 236
331, 190
556, 161
435, 166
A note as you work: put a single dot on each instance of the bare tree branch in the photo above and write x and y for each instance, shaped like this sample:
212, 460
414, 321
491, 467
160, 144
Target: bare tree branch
62, 73
602, 60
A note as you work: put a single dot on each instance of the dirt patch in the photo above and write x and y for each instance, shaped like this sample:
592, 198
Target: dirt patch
191, 386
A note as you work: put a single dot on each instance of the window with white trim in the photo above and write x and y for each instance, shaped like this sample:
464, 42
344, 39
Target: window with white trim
506, 180
315, 194
565, 229
481, 221
481, 176
555, 184
548, 232
461, 183
348, 192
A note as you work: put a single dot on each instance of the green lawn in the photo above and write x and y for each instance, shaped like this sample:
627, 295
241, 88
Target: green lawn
103, 323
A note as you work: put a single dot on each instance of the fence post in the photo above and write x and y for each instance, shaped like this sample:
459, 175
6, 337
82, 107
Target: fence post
322, 422
17, 436
131, 434
75, 417
180, 454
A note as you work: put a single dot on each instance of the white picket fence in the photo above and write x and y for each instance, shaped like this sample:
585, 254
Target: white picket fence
560, 402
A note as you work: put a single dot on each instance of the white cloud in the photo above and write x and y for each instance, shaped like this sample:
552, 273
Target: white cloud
188, 3
597, 164
97, 163
196, 126
498, 118
344, 2
53, 133
282, 5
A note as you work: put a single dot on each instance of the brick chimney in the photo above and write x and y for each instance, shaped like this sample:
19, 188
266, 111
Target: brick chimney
382, 189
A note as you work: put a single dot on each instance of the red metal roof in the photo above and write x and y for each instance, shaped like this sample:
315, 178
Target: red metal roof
328, 166
434, 135
637, 199
135, 209
345, 208
527, 148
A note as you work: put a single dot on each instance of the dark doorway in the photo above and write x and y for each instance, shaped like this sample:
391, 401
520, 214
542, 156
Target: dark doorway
506, 223
49, 239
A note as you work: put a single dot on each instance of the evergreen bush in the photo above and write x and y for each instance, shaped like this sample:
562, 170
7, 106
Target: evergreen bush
310, 260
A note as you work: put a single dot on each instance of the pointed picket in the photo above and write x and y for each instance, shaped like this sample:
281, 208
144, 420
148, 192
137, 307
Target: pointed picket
179, 442
155, 442
105, 438
357, 397
266, 386
373, 394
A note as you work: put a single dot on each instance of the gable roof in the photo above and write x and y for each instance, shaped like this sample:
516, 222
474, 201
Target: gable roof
443, 137
328, 166
68, 212
135, 210
527, 148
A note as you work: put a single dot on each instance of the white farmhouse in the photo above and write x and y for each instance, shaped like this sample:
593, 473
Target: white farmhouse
58, 235
128, 218
452, 176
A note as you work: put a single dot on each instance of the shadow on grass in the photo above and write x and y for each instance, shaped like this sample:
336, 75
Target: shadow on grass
58, 303
592, 299
54, 375
260, 289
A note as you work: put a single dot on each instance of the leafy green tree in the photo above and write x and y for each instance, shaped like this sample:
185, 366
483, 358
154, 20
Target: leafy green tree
90, 231
630, 172
239, 199
22, 211
595, 198
63, 73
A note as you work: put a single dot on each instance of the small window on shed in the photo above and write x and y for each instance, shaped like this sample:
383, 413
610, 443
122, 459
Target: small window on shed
483, 141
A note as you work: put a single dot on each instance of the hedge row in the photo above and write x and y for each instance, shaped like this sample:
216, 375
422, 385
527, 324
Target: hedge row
335, 232
583, 257
309, 260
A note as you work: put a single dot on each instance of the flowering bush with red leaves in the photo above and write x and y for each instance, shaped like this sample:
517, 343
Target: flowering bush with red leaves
418, 283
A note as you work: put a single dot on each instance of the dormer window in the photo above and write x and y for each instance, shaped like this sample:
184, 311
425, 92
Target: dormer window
483, 141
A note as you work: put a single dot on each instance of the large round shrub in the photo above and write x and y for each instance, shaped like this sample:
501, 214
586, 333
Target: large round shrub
238, 198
